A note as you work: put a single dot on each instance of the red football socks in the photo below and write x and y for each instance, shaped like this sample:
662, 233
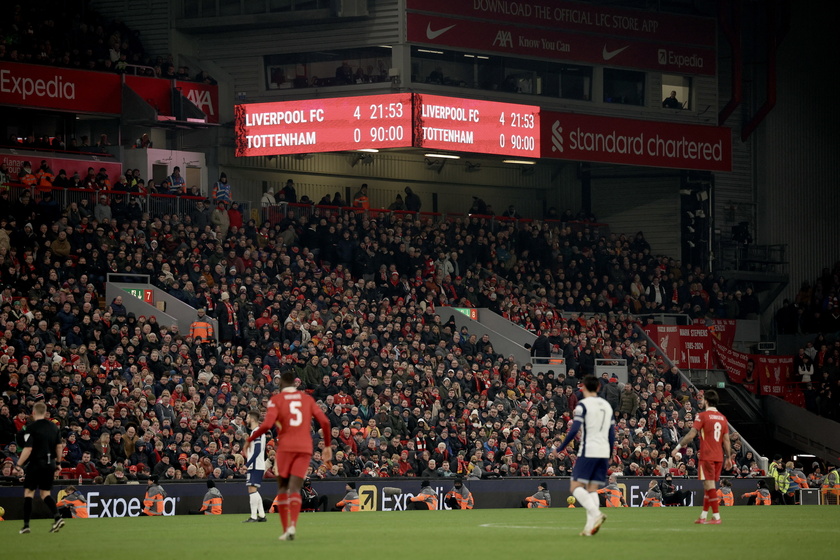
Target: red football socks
294, 508
283, 509
713, 500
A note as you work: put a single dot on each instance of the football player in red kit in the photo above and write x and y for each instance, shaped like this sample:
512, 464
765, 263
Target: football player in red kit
292, 411
715, 451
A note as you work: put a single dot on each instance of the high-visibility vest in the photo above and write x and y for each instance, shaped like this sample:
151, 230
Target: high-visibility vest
76, 503
727, 498
201, 328
429, 497
652, 501
613, 496
153, 501
212, 503
539, 500
350, 502
762, 497
831, 483
463, 502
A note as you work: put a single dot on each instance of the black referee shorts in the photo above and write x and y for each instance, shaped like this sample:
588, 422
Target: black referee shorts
39, 477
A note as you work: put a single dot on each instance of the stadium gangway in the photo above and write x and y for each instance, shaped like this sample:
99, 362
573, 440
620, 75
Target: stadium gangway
612, 366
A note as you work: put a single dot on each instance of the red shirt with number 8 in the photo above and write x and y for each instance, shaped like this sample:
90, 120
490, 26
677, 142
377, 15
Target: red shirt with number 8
712, 427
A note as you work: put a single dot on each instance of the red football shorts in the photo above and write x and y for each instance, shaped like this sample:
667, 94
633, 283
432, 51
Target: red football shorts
709, 470
293, 464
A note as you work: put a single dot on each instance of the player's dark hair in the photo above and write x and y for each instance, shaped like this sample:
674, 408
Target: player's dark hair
591, 383
712, 398
255, 414
287, 378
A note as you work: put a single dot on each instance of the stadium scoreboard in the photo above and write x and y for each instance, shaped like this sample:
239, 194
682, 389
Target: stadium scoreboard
400, 120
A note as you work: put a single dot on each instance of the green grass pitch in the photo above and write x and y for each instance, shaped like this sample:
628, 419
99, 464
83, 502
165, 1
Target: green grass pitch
789, 532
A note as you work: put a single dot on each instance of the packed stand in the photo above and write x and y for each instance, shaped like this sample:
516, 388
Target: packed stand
46, 33
351, 305
816, 310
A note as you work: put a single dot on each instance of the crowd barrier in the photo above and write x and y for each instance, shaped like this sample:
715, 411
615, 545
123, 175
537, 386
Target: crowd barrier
127, 500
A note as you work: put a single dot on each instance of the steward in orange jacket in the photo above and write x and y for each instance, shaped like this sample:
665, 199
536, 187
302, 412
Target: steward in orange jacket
459, 497
212, 502
725, 495
614, 497
426, 499
153, 500
350, 502
761, 495
653, 498
74, 503
542, 499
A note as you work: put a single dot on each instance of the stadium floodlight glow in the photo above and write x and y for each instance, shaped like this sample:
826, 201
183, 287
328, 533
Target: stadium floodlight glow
519, 161
429, 51
369, 150
442, 156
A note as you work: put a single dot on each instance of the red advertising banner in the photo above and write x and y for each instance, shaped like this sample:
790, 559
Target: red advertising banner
15, 163
155, 91
686, 347
48, 87
472, 125
560, 45
203, 96
572, 16
636, 142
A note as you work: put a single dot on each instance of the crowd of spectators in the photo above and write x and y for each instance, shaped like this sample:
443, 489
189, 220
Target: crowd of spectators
352, 305
47, 33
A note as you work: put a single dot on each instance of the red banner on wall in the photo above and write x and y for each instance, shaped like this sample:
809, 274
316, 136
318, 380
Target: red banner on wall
587, 18
560, 45
635, 142
203, 96
154, 91
722, 329
64, 89
686, 347
766, 375
15, 162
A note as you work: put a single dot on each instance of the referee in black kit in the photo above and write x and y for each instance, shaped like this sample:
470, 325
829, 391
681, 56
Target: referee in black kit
41, 442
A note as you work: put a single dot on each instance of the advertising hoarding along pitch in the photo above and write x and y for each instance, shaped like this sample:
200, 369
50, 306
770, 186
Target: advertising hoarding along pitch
324, 125
471, 125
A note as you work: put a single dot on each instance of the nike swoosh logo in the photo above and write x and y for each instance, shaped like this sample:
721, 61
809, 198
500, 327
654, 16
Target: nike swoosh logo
610, 54
435, 34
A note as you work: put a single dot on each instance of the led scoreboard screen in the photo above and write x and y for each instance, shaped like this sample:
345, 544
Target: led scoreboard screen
324, 125
470, 125
398, 120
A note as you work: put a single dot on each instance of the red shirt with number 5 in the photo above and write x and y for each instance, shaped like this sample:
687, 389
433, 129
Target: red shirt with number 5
712, 427
292, 411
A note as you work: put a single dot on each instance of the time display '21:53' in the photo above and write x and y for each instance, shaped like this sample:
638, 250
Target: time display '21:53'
380, 111
518, 120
